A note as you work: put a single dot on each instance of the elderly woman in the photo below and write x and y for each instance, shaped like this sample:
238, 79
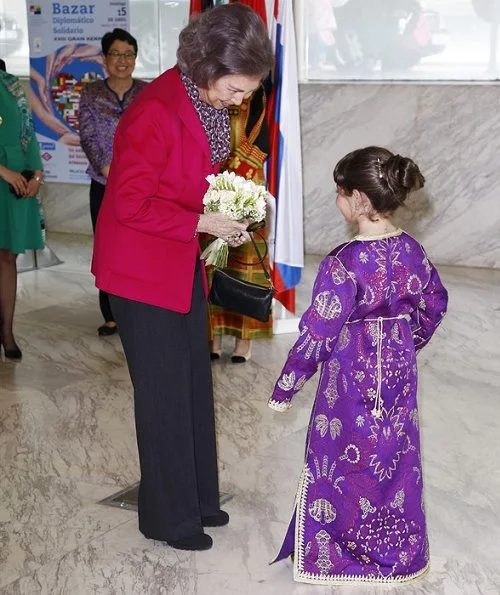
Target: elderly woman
102, 104
20, 227
146, 256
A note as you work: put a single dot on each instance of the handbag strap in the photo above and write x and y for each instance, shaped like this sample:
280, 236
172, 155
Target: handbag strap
260, 260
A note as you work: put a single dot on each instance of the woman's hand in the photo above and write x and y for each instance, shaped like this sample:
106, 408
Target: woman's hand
220, 226
15, 179
33, 188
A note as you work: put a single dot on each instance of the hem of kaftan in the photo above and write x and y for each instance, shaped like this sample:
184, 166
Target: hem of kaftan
344, 579
302, 576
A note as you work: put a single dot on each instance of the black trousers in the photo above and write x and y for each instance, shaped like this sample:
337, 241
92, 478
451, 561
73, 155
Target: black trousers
169, 364
96, 195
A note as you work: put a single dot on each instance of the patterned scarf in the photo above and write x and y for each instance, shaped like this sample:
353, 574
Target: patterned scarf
215, 122
15, 89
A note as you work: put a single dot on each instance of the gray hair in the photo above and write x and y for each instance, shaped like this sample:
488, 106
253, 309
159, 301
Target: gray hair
224, 40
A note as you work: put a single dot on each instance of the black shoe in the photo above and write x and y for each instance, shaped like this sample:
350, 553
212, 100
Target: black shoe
197, 542
106, 331
15, 353
215, 520
214, 355
239, 358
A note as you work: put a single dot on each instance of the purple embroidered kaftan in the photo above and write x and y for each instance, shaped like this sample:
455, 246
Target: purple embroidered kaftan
359, 513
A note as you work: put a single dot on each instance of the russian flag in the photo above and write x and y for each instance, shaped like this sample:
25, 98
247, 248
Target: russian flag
284, 165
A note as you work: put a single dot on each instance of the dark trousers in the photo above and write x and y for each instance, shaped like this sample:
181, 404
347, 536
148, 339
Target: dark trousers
96, 195
169, 363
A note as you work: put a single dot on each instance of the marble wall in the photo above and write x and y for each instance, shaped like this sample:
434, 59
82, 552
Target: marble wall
452, 131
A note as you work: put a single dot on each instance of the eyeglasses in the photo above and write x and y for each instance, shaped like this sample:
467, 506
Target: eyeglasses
129, 56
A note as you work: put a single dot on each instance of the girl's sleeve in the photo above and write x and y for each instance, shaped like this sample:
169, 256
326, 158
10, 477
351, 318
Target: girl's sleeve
333, 300
89, 137
431, 309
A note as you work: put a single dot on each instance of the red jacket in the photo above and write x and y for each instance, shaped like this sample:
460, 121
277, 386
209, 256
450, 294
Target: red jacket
145, 247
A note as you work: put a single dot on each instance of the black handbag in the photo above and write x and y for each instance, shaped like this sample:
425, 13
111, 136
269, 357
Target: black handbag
243, 297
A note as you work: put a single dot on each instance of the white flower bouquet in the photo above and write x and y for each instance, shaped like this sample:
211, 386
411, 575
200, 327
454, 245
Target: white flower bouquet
237, 198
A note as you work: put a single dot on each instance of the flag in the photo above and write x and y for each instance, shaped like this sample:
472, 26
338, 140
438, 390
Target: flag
284, 167
199, 6
258, 5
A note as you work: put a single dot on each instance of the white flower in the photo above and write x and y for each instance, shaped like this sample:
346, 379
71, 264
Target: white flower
360, 421
237, 198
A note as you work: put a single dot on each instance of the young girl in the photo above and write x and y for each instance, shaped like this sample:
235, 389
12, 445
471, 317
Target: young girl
377, 300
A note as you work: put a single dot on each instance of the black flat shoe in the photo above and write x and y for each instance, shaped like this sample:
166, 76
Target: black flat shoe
15, 353
214, 355
240, 358
106, 331
215, 520
197, 542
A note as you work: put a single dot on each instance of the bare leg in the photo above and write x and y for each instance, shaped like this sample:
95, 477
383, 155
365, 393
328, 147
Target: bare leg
8, 288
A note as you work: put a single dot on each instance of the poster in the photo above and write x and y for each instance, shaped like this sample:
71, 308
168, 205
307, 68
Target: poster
65, 52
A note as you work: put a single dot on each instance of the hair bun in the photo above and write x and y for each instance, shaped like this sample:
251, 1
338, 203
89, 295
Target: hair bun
403, 174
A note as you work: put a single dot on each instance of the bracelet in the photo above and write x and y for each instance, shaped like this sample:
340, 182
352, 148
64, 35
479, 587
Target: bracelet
39, 179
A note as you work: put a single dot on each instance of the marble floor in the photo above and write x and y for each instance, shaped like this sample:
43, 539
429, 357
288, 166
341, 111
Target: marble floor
67, 441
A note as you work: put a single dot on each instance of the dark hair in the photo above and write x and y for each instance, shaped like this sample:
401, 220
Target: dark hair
385, 178
227, 39
117, 35
2, 65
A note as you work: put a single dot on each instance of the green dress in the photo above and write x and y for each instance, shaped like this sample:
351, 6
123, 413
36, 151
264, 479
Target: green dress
20, 226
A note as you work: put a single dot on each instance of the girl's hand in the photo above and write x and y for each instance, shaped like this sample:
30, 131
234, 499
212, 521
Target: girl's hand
15, 179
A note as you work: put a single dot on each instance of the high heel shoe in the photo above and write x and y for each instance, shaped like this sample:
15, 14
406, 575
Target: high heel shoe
106, 330
239, 358
15, 353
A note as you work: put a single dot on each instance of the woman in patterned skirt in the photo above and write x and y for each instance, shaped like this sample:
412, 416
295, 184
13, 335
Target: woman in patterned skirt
249, 149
